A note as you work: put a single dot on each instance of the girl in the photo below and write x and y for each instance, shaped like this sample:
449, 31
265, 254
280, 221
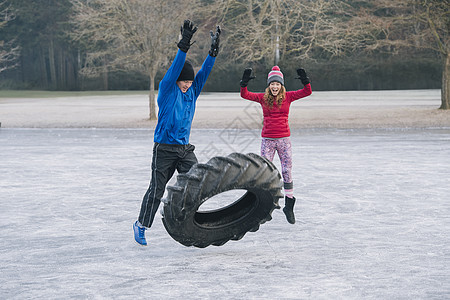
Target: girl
275, 134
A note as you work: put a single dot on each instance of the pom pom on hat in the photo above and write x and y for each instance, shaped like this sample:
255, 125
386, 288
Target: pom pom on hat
187, 73
275, 75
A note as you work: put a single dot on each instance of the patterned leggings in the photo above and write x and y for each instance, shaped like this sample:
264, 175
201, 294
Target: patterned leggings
284, 148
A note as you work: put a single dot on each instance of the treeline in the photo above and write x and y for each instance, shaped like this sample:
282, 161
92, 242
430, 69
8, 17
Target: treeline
51, 59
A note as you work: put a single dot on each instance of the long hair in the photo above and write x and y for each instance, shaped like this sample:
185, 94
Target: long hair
269, 99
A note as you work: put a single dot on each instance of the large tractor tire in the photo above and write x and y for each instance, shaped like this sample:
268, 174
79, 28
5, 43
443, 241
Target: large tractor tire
250, 172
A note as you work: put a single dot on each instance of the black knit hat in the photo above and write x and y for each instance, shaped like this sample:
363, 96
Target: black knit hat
187, 73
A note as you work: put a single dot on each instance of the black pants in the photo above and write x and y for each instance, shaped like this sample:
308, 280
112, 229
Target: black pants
166, 159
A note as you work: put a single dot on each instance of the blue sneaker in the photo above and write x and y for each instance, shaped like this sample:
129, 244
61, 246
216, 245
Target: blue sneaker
139, 234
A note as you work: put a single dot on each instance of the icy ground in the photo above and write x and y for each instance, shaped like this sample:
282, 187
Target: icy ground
373, 219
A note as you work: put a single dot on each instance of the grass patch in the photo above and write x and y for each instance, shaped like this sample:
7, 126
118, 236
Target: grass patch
55, 94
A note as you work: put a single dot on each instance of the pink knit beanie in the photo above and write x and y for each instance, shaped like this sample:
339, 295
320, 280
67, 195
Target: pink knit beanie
275, 75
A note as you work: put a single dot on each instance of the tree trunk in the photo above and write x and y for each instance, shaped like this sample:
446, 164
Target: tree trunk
81, 78
105, 74
151, 99
445, 89
71, 72
62, 80
51, 60
43, 69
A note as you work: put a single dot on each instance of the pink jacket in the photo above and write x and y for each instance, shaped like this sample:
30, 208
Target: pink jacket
276, 124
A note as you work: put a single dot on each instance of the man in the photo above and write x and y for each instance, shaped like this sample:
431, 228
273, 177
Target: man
177, 96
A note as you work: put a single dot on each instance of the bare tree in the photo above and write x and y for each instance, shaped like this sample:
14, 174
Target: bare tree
304, 29
130, 34
433, 17
9, 52
258, 29
390, 26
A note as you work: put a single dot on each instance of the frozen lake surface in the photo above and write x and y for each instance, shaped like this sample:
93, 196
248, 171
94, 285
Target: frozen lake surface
373, 219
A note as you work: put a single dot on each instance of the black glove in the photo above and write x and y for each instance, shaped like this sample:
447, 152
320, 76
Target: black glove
187, 31
246, 77
215, 42
302, 76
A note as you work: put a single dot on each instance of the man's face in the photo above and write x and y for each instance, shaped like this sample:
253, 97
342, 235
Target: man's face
184, 85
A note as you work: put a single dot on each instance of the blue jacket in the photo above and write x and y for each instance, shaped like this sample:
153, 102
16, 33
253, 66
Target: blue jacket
176, 109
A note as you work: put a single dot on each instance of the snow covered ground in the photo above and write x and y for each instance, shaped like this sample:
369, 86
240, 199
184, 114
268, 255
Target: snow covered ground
373, 219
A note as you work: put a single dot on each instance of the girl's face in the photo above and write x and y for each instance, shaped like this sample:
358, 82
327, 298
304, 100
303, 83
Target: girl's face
184, 85
275, 88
